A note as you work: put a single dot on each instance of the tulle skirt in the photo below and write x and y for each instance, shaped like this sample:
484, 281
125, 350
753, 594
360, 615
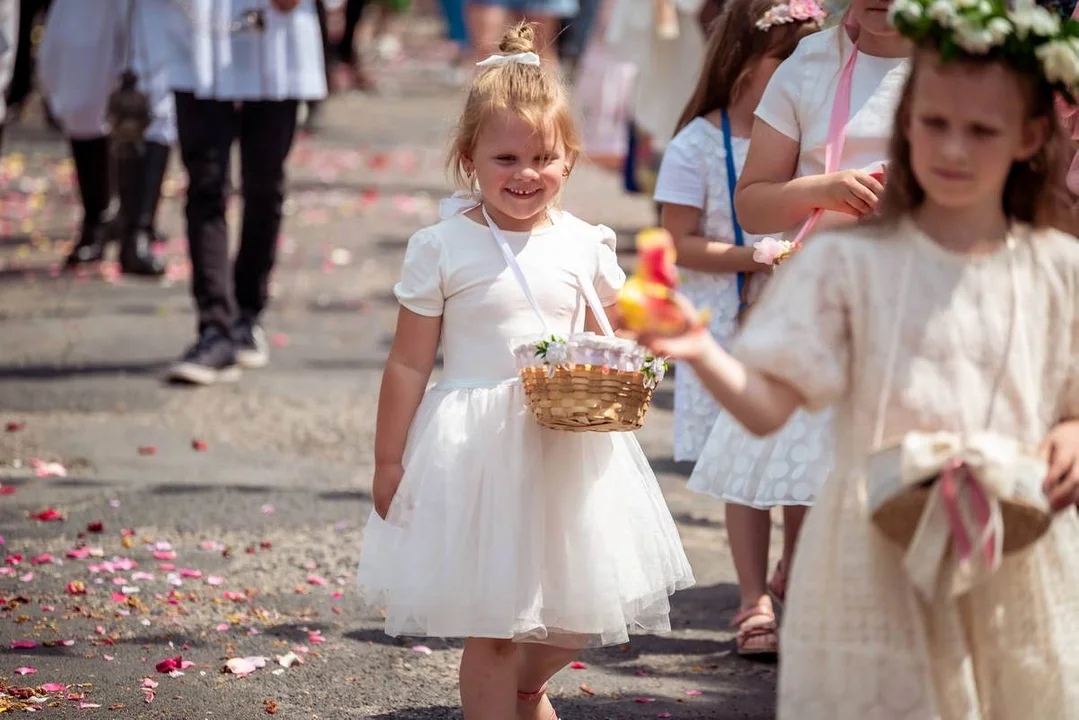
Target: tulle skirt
503, 529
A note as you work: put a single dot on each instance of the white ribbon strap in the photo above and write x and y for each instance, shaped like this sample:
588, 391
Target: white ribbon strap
586, 288
525, 58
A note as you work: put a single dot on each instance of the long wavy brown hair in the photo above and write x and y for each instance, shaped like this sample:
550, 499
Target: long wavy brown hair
1035, 191
734, 47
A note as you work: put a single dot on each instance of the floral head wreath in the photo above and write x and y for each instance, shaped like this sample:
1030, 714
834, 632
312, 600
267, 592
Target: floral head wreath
1028, 37
790, 12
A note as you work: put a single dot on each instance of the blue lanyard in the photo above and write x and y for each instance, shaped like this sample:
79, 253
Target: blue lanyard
732, 181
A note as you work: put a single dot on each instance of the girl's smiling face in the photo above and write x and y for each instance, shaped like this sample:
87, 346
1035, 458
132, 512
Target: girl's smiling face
520, 170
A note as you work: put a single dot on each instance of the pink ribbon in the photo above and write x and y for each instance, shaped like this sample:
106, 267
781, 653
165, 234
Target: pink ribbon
956, 478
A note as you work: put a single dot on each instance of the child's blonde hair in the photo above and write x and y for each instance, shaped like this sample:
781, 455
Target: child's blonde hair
534, 93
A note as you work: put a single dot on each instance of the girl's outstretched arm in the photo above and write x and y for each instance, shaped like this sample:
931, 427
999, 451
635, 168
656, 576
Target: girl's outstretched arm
699, 253
759, 402
404, 381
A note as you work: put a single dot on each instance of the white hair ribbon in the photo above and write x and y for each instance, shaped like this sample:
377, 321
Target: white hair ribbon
525, 58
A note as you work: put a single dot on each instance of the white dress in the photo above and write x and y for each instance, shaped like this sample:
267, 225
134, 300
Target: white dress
857, 643
789, 466
500, 528
9, 41
694, 173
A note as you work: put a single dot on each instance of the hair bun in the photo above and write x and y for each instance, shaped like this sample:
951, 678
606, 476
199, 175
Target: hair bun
521, 38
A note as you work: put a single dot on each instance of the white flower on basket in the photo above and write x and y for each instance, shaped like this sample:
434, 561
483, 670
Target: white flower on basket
1000, 29
654, 369
1060, 62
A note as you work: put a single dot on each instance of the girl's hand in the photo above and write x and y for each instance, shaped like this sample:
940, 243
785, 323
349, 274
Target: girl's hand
852, 192
689, 344
1061, 451
384, 487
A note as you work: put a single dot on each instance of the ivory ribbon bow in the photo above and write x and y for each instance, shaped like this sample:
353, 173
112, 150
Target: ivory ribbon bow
975, 473
525, 58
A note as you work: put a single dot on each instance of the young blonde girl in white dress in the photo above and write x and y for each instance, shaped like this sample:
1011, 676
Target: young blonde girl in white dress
833, 99
530, 543
695, 187
955, 313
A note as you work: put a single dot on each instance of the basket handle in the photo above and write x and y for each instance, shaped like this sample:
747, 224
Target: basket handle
585, 287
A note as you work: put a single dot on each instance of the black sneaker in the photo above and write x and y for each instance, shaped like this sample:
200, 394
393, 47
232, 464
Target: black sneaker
252, 350
210, 360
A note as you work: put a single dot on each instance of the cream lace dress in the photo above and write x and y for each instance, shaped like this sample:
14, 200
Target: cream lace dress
857, 643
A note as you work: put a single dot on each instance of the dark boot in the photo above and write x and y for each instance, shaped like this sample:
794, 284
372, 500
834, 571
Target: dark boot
140, 172
92, 170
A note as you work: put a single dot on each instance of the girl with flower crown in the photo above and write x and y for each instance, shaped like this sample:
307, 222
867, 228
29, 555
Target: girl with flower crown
937, 575
529, 543
695, 186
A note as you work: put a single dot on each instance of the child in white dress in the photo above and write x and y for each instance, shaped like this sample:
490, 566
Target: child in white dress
956, 312
695, 187
786, 178
530, 543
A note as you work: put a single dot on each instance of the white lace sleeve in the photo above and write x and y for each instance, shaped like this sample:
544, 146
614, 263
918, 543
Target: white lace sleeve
799, 331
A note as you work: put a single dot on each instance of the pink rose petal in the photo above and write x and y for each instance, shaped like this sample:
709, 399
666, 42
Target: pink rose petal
644, 700
422, 649
215, 580
577, 665
54, 687
316, 580
23, 644
222, 627
694, 693
88, 706
25, 671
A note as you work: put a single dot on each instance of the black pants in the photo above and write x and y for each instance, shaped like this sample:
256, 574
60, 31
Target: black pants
206, 130
346, 51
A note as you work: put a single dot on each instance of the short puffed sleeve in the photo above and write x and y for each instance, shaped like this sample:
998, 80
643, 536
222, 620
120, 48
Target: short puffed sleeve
609, 276
420, 288
780, 102
799, 330
681, 179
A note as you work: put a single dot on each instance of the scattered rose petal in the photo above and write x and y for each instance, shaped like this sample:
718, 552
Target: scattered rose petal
47, 469
147, 450
215, 580
7, 489
242, 667
316, 580
114, 503
27, 577
267, 509
315, 637
577, 665
23, 644
96, 527
694, 693
54, 687
664, 715
14, 426
190, 573
289, 659
234, 596
42, 559
25, 671
78, 553
149, 683
644, 700
198, 445
141, 576
164, 555
222, 627
587, 690
337, 594
422, 649
88, 706
173, 664
47, 515
108, 658
47, 608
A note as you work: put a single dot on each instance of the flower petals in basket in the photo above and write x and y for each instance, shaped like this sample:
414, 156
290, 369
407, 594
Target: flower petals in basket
588, 382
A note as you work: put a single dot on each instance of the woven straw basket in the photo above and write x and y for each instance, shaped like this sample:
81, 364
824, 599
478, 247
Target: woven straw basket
584, 398
898, 519
897, 509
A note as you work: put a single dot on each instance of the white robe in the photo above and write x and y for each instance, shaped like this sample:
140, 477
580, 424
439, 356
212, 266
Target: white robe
282, 62
83, 53
9, 40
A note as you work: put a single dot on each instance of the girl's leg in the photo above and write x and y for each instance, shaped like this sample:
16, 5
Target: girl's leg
488, 679
536, 664
748, 530
793, 517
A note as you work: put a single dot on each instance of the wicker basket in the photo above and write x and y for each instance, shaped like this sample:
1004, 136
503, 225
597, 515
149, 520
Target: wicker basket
585, 398
898, 519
